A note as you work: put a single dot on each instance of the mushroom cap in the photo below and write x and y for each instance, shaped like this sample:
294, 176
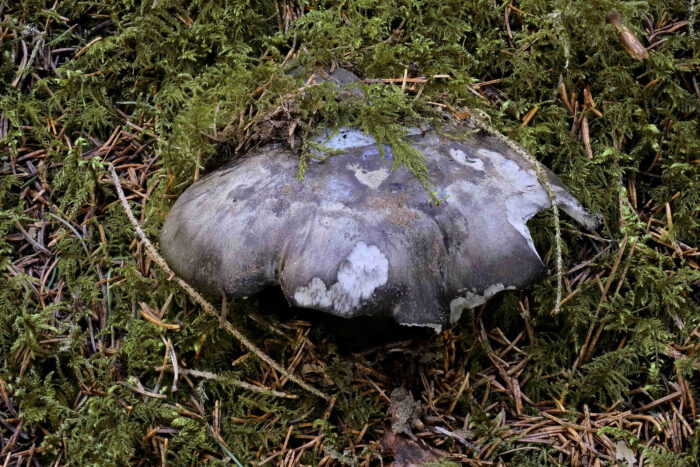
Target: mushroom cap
356, 237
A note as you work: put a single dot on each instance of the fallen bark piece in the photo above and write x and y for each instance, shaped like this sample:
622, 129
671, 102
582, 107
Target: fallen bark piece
357, 237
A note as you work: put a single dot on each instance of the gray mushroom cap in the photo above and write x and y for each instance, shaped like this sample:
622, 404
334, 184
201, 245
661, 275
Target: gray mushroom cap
356, 237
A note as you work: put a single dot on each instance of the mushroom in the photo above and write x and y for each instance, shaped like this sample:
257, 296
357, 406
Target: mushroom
357, 237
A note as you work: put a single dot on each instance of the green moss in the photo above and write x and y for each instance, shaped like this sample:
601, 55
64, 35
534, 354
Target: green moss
206, 78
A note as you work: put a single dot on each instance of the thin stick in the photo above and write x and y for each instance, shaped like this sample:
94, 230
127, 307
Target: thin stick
236, 382
544, 181
206, 306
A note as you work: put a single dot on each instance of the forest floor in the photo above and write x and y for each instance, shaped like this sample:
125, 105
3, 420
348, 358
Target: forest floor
105, 360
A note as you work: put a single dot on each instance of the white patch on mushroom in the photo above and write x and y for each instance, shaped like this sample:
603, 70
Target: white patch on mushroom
457, 306
520, 209
468, 302
364, 270
522, 206
314, 294
370, 178
511, 171
435, 327
345, 139
460, 157
492, 290
349, 138
472, 300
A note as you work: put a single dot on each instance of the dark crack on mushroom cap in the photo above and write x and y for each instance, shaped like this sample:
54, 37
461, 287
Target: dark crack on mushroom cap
356, 237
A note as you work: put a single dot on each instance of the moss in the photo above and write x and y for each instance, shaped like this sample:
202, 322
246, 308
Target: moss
196, 83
